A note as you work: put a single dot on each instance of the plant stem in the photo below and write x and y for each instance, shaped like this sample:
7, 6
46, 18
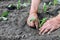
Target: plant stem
45, 7
42, 22
18, 5
55, 2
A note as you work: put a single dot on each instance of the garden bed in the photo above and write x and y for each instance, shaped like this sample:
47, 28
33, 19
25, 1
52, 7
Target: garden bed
16, 28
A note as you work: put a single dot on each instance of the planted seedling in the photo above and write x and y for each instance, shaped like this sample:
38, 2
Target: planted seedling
55, 2
25, 4
3, 18
11, 7
42, 22
5, 14
49, 3
45, 7
18, 5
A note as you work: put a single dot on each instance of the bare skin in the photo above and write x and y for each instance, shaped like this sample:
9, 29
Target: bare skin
49, 26
33, 13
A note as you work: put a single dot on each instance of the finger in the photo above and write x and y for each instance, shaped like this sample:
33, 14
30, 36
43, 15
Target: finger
50, 31
36, 24
45, 31
30, 23
41, 31
42, 27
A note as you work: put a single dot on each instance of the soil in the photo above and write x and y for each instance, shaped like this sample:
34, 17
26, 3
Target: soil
16, 28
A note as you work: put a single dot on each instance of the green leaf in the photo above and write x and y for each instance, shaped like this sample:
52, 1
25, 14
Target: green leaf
3, 18
50, 3
45, 7
18, 5
5, 14
32, 19
10, 5
55, 2
42, 22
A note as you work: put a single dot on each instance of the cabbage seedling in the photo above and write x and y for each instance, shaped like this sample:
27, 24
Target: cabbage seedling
55, 2
5, 14
25, 4
42, 22
11, 7
3, 18
45, 7
49, 3
18, 5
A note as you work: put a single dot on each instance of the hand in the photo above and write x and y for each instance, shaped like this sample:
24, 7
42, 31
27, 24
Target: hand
49, 26
34, 22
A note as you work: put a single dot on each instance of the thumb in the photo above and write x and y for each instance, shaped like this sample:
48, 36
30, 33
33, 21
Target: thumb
36, 24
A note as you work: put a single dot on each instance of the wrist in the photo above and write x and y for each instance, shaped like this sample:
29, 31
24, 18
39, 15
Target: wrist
32, 13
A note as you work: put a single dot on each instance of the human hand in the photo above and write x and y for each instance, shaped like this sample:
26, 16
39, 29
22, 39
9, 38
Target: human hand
34, 22
49, 26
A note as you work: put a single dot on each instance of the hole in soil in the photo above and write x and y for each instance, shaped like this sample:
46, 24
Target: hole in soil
14, 7
33, 27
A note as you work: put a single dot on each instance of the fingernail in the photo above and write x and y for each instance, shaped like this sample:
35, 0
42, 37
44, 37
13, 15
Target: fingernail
48, 33
36, 27
42, 33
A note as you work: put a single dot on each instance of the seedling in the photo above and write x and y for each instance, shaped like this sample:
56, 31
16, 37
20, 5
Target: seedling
32, 19
55, 2
5, 14
3, 18
25, 4
28, 1
11, 7
49, 3
42, 22
18, 5
45, 7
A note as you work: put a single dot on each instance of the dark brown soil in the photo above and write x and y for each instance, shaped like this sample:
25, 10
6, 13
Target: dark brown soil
16, 28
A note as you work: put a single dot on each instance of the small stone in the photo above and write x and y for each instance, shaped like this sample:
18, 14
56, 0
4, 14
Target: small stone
29, 34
